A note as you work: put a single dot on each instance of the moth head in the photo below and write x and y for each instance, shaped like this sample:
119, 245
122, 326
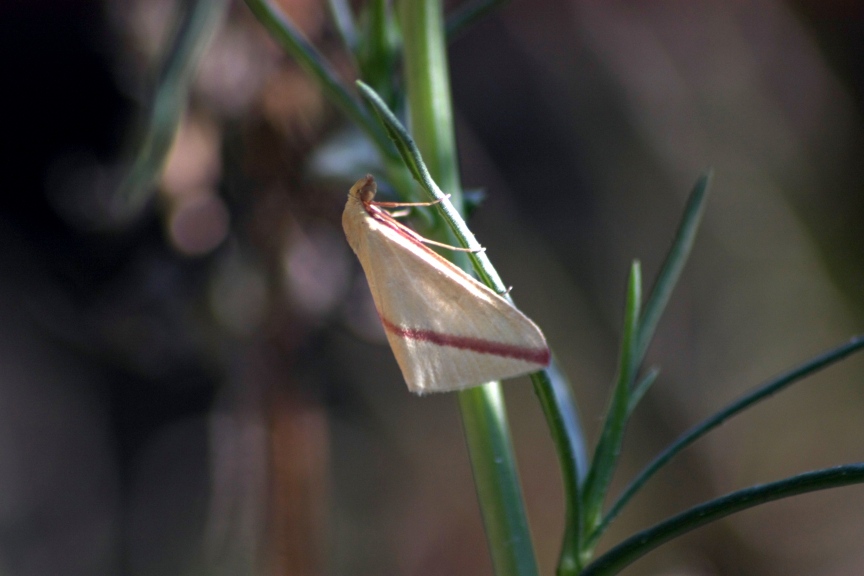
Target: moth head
364, 189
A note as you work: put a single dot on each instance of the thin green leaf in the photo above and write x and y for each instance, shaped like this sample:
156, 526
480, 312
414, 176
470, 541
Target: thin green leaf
469, 13
628, 551
414, 161
172, 95
308, 58
641, 388
400, 137
559, 407
768, 389
340, 10
674, 263
609, 446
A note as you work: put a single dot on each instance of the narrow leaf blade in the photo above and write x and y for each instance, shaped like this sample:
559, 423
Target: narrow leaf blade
609, 445
674, 263
631, 549
562, 416
773, 386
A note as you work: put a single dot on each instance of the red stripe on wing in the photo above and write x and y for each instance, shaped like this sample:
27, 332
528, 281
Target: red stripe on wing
535, 355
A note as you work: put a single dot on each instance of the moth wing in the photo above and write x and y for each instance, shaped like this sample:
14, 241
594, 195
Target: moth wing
447, 330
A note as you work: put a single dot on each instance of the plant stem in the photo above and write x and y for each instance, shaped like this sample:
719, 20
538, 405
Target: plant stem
487, 435
551, 386
427, 78
483, 412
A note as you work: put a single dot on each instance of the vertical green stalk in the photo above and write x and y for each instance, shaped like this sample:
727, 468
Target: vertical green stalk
499, 492
427, 78
483, 412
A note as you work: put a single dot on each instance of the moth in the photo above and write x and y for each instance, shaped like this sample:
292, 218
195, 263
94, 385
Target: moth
447, 330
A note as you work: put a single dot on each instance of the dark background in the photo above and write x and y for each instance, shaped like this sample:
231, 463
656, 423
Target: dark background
204, 389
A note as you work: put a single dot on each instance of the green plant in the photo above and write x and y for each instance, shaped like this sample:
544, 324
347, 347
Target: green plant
412, 44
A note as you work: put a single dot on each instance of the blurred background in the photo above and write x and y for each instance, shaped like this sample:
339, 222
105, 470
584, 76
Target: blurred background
204, 389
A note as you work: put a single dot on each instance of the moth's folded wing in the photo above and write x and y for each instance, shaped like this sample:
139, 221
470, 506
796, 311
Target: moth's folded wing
447, 330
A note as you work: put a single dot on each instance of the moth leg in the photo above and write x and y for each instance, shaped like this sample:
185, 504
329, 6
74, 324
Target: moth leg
403, 204
389, 217
449, 247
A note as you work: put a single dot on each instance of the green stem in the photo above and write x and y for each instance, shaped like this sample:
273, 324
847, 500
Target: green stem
487, 434
427, 80
483, 412
550, 385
